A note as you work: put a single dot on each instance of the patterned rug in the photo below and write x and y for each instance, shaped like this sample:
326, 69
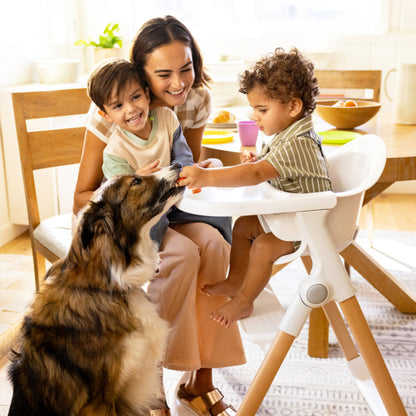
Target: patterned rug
306, 386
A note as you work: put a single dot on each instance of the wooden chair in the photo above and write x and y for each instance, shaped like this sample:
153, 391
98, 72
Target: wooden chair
345, 80
47, 148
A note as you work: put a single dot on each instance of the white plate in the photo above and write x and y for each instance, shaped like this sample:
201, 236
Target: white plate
222, 125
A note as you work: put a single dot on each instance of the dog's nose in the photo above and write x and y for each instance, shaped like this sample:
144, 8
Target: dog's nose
177, 166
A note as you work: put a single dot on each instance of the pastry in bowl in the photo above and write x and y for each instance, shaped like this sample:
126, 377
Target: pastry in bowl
224, 117
347, 116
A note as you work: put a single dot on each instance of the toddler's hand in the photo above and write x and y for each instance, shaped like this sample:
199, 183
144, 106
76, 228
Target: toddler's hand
248, 157
191, 176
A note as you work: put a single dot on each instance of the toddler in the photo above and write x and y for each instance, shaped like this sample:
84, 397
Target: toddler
281, 89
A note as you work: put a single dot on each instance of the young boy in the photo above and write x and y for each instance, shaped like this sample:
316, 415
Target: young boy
141, 136
281, 89
144, 140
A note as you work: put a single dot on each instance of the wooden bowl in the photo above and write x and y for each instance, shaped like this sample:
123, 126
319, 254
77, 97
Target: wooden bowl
346, 117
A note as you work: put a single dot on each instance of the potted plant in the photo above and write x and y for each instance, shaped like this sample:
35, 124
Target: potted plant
109, 43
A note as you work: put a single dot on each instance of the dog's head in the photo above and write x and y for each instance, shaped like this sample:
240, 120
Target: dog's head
129, 205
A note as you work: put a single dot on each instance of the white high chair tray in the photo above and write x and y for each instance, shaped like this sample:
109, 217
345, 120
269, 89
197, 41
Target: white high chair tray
253, 200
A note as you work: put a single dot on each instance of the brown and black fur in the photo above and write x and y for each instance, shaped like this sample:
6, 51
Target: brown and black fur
91, 342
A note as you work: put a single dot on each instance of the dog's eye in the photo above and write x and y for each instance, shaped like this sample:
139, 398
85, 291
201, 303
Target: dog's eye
136, 181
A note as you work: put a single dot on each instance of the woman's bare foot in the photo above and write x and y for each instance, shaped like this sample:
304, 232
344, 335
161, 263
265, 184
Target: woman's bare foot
235, 309
223, 288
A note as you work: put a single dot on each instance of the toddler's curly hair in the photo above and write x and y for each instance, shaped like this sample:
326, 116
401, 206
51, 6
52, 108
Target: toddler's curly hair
284, 75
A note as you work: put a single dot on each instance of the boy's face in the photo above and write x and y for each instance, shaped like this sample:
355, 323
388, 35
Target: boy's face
130, 109
271, 115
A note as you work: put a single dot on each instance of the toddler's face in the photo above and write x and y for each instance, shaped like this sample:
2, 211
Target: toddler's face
271, 115
130, 109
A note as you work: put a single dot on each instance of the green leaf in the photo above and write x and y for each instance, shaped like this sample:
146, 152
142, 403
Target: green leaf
108, 39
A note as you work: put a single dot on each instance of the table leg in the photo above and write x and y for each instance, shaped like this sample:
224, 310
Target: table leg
380, 278
318, 346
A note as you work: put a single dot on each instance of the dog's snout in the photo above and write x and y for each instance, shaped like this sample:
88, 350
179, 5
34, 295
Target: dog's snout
177, 166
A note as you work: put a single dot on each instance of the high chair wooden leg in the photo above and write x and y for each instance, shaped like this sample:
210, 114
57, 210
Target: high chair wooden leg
266, 374
340, 329
372, 357
318, 334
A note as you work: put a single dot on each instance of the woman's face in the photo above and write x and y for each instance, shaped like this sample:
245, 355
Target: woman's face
170, 73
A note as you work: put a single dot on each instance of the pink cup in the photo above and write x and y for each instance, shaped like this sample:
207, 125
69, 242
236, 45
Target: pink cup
248, 132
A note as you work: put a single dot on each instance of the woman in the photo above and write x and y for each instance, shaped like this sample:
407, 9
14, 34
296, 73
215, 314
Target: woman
166, 54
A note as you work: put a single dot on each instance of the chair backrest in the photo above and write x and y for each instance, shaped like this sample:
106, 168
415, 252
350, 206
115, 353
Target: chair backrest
353, 168
47, 147
329, 79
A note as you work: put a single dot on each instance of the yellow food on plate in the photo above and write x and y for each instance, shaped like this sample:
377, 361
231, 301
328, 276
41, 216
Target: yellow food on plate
223, 116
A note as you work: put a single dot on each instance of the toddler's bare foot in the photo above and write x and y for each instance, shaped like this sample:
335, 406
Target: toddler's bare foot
223, 288
235, 309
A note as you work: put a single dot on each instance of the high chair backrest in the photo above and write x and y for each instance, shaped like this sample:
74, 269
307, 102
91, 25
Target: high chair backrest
43, 147
353, 168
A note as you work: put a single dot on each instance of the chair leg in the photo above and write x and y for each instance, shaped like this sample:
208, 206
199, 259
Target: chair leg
39, 266
372, 357
266, 374
370, 215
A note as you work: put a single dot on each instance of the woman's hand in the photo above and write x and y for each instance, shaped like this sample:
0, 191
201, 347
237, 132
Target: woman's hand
150, 168
248, 157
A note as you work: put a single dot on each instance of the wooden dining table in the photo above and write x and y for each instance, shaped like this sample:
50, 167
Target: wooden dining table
400, 166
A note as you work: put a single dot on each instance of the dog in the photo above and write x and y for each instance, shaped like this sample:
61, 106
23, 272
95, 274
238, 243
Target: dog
91, 342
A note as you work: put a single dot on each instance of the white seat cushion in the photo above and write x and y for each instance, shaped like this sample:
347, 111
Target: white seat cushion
55, 233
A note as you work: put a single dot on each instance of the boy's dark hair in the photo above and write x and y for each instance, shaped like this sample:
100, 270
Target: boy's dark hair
109, 74
284, 75
162, 31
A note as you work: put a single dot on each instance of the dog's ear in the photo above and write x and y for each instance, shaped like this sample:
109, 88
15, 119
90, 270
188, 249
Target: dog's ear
94, 222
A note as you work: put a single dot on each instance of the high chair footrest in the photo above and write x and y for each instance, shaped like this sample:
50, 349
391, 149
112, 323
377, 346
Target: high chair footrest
263, 323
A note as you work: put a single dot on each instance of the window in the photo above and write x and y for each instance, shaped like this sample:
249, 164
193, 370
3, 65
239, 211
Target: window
246, 27
35, 22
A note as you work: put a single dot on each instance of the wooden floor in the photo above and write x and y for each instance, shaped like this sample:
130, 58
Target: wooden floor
392, 212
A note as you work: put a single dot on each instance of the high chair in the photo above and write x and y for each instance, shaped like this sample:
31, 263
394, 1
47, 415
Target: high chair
325, 223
